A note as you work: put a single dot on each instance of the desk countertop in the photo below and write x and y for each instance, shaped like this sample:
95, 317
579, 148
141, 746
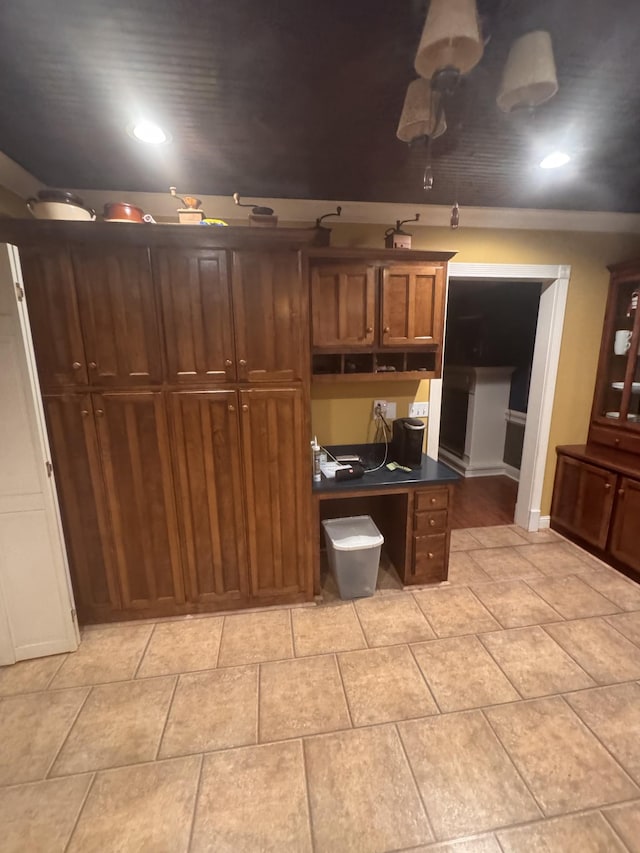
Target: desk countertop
430, 472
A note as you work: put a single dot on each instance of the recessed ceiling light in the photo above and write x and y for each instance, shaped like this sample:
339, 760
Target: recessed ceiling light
555, 160
147, 131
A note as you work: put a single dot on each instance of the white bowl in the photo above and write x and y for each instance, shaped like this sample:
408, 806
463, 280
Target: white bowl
59, 210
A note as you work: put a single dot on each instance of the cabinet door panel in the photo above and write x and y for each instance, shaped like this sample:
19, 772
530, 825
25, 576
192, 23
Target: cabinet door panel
343, 305
134, 446
80, 487
412, 309
118, 315
196, 311
625, 533
210, 494
53, 316
583, 499
271, 313
277, 472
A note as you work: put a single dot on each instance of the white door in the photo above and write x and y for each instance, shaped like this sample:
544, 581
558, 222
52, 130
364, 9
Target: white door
36, 603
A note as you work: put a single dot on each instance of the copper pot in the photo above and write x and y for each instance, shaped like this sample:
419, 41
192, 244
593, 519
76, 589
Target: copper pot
121, 211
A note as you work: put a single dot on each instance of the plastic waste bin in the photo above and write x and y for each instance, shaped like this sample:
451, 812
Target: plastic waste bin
353, 548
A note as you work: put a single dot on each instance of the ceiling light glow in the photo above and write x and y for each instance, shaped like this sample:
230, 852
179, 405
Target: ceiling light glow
555, 160
147, 131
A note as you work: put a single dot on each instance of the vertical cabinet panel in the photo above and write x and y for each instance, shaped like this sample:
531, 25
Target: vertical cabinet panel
412, 305
583, 499
53, 315
210, 494
276, 463
196, 311
343, 305
625, 539
134, 445
270, 307
85, 519
118, 315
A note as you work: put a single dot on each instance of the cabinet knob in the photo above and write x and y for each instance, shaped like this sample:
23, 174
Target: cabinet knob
386, 330
369, 329
232, 408
228, 362
430, 555
617, 442
99, 412
76, 365
607, 486
92, 365
433, 500
243, 362
621, 492
84, 412
432, 522
245, 407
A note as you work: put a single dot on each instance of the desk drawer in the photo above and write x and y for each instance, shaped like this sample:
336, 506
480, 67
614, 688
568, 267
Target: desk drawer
616, 438
429, 558
431, 499
430, 522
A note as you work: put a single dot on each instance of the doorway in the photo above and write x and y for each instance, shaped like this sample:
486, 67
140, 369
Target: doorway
553, 282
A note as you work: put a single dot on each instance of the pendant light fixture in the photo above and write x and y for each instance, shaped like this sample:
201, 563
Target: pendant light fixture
529, 77
422, 113
451, 43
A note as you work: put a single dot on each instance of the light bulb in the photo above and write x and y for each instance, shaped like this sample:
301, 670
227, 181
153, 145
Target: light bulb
555, 160
146, 131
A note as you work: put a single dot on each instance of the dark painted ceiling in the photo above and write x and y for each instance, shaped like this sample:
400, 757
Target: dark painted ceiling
301, 99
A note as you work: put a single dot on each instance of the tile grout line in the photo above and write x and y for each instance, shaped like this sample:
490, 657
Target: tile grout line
144, 651
81, 809
57, 670
364, 633
596, 683
424, 678
344, 689
258, 688
436, 636
168, 713
224, 621
305, 769
497, 663
618, 631
195, 804
421, 799
616, 834
69, 730
597, 737
513, 764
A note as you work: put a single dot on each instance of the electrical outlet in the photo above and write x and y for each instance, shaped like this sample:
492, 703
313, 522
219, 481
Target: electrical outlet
419, 410
379, 407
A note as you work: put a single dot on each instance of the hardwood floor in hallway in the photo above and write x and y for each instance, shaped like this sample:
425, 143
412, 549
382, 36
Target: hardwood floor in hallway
483, 502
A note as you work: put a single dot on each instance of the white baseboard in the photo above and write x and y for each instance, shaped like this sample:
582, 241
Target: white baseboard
544, 522
511, 472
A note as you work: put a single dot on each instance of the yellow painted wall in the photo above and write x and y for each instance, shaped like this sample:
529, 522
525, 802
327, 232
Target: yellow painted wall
342, 412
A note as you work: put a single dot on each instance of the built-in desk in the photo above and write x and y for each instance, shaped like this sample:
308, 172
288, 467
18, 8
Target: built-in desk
411, 510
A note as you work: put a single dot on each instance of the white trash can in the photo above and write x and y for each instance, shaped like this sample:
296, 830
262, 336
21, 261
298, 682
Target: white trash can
353, 548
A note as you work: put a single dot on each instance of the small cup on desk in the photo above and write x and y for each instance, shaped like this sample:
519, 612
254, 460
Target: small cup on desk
622, 341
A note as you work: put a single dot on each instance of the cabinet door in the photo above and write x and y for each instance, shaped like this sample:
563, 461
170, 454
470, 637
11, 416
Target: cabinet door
196, 311
118, 315
80, 487
210, 494
412, 310
134, 447
583, 499
278, 489
625, 535
53, 315
271, 316
343, 305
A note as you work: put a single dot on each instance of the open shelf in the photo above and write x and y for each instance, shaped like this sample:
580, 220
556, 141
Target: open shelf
374, 366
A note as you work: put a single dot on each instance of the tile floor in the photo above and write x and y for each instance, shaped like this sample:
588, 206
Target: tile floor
499, 712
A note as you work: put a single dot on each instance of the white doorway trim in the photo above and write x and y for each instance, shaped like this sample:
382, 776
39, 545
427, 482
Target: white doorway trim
546, 354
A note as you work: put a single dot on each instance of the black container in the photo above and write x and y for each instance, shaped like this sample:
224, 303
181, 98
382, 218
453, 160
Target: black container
406, 444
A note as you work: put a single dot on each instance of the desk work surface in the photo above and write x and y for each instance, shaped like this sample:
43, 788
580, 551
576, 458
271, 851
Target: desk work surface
431, 472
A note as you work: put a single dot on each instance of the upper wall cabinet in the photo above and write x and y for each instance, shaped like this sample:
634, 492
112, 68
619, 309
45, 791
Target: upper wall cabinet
196, 312
376, 314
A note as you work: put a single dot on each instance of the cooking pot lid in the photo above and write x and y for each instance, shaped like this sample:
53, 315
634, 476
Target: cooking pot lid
60, 195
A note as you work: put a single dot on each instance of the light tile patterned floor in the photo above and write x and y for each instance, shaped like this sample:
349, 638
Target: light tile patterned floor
499, 713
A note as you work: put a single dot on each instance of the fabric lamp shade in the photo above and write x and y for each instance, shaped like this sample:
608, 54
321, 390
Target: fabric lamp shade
420, 111
451, 38
529, 77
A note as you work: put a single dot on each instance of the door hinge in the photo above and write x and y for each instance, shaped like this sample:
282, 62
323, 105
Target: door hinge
49, 468
19, 292
74, 615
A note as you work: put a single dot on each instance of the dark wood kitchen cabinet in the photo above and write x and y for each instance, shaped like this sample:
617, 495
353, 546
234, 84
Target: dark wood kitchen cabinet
596, 495
209, 484
377, 314
85, 518
175, 367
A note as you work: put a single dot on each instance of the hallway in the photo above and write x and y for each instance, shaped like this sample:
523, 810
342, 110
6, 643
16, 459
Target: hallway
483, 502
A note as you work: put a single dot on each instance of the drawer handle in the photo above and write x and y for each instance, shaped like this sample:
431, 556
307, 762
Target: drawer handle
433, 500
432, 522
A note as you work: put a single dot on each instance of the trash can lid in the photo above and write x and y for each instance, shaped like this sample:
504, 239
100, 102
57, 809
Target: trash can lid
353, 533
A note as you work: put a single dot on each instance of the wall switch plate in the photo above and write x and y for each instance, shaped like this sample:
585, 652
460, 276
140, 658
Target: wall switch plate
419, 410
391, 412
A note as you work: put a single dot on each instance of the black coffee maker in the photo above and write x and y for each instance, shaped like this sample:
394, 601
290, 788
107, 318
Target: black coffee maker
406, 444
